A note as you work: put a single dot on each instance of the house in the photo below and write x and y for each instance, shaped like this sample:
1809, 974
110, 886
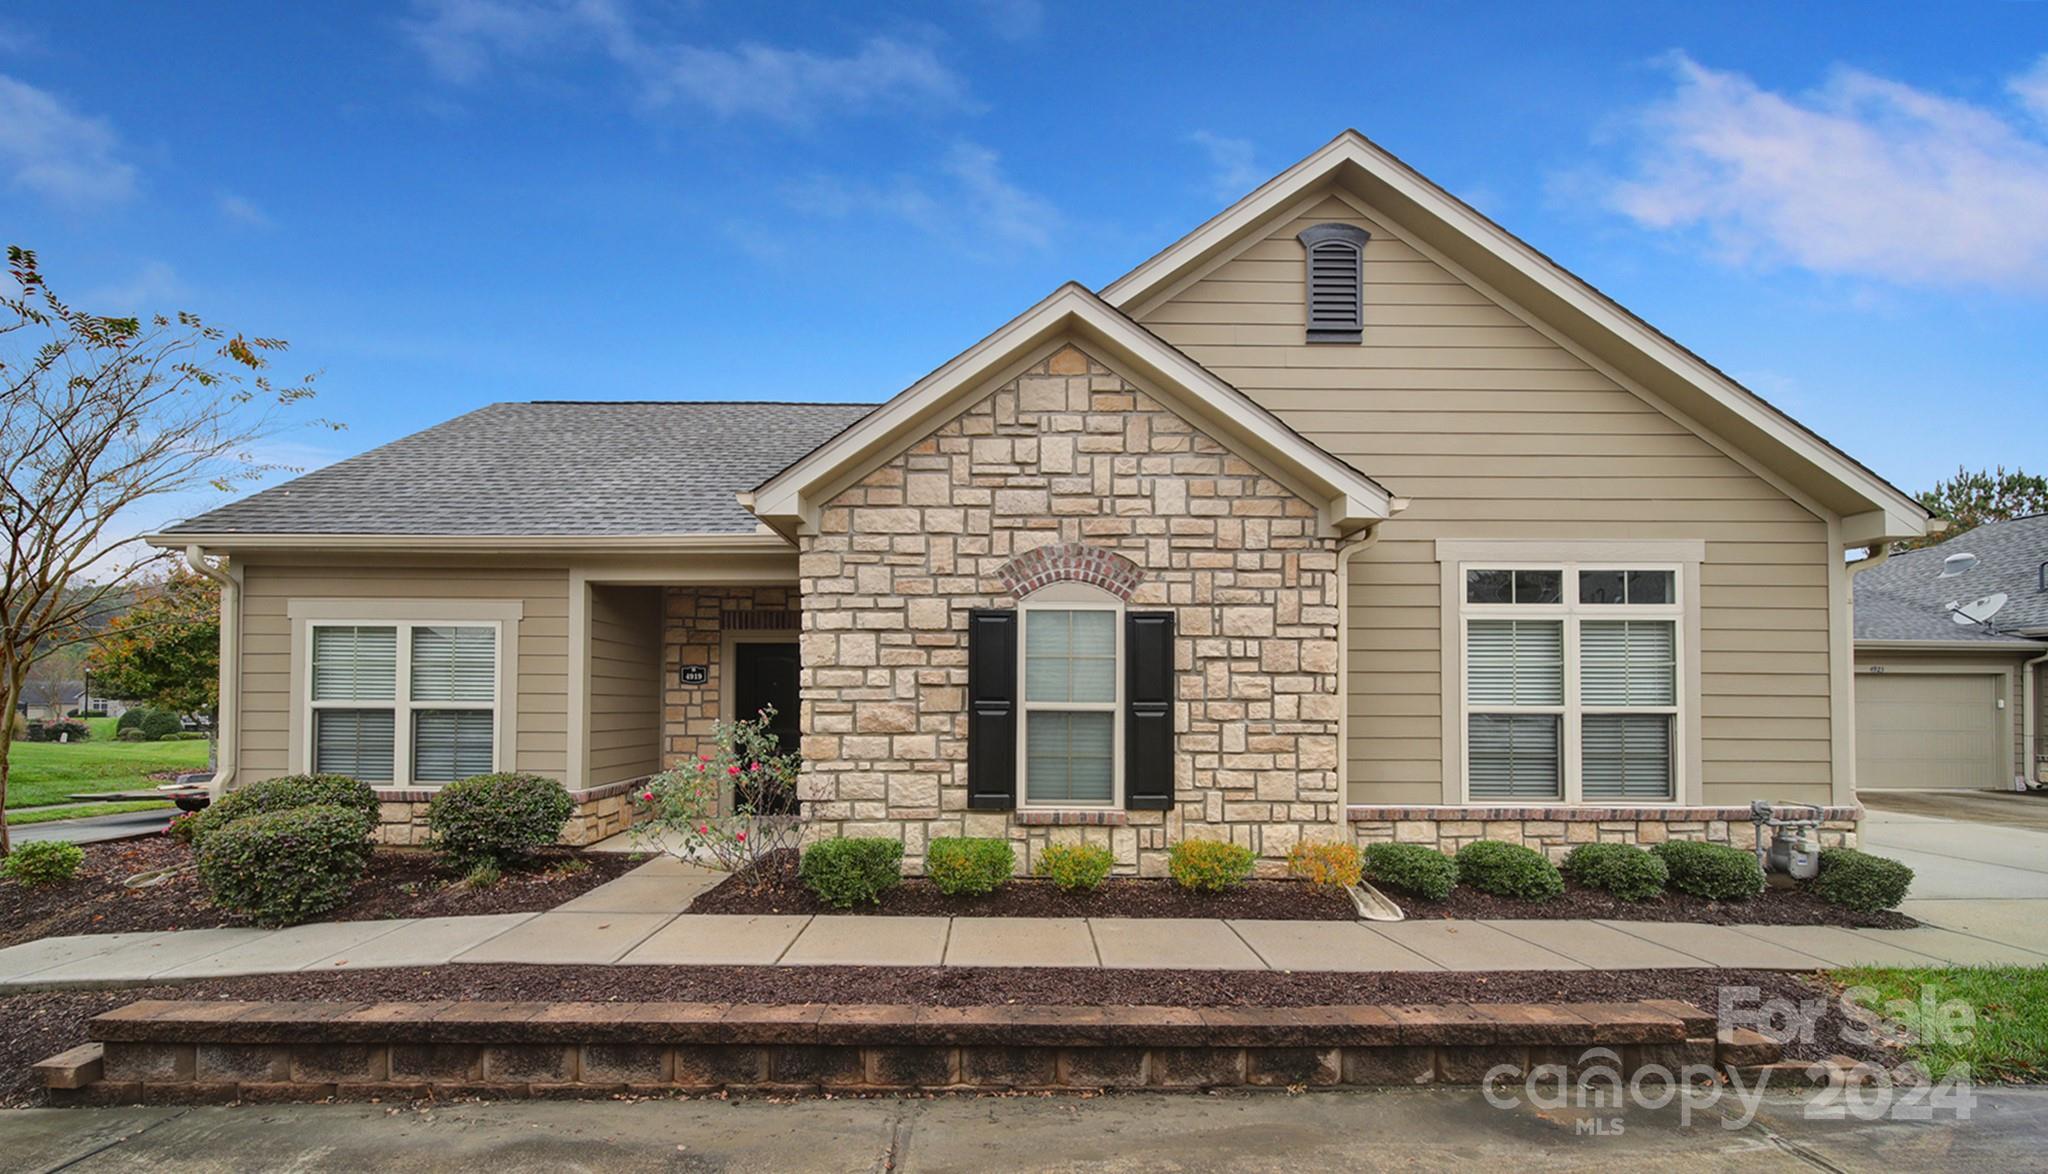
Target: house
1348, 514
1943, 700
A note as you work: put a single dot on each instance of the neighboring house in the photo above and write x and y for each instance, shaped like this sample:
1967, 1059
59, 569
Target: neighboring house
1947, 704
49, 700
1348, 514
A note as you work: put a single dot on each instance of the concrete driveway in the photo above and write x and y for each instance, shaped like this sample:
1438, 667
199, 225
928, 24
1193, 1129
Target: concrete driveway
2018, 809
1955, 859
1440, 1129
94, 829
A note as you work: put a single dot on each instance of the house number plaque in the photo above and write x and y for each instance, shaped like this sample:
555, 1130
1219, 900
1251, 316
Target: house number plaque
695, 674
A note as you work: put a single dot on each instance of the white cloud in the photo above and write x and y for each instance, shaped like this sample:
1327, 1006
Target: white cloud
1864, 177
1232, 169
969, 202
243, 209
59, 154
463, 39
2031, 88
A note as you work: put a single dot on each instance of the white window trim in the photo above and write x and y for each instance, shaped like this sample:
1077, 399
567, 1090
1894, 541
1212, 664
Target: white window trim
1069, 597
503, 616
1456, 556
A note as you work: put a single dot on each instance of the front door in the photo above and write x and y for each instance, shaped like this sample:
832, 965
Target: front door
764, 674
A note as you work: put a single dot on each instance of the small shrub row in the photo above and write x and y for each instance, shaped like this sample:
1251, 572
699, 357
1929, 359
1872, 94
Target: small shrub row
286, 866
1716, 872
1622, 870
1209, 866
498, 819
1509, 870
852, 870
42, 862
969, 866
1077, 868
1325, 864
1862, 882
1412, 868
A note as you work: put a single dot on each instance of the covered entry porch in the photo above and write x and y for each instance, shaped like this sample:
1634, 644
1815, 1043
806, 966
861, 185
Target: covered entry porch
659, 657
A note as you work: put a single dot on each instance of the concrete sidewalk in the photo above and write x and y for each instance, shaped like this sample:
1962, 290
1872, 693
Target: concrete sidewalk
637, 920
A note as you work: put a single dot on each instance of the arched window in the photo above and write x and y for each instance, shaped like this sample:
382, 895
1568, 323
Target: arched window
1336, 282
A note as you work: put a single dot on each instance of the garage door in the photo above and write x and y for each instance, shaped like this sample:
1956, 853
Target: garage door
1929, 730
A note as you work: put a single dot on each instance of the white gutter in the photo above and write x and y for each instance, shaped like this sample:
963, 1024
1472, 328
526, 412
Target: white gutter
227, 724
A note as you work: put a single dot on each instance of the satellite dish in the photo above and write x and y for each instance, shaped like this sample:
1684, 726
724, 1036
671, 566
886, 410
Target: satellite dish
1956, 564
1977, 611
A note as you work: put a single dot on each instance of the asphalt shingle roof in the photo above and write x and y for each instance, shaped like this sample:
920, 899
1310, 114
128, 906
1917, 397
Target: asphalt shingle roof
550, 468
1904, 599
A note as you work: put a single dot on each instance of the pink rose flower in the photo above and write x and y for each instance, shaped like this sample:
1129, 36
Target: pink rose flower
703, 828
649, 796
733, 769
741, 837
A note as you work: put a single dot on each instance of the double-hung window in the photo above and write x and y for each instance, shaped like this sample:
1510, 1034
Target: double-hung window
1073, 698
403, 702
1571, 683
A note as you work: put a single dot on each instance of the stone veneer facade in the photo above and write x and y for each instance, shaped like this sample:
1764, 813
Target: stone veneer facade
693, 632
1070, 453
600, 812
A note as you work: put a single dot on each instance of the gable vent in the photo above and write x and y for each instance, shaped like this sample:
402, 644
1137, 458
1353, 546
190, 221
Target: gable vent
1336, 282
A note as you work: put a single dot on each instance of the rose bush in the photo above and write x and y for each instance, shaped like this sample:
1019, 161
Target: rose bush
729, 808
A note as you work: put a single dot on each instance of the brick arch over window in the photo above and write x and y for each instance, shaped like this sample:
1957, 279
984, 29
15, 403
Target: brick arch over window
1071, 562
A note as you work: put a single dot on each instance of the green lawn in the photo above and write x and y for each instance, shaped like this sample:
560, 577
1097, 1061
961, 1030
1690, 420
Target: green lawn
2008, 1039
42, 773
17, 816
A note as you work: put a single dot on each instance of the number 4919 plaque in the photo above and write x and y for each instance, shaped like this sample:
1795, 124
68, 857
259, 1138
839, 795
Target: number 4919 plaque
695, 674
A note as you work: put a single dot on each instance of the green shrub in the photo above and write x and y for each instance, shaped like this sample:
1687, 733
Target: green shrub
1326, 864
283, 794
131, 719
185, 736
159, 722
1624, 870
1860, 881
285, 867
1412, 868
42, 862
848, 871
969, 865
1076, 867
1509, 870
497, 819
1714, 871
1210, 866
131, 734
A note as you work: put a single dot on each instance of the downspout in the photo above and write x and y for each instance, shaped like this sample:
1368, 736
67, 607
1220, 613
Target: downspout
2030, 721
1884, 554
227, 724
1345, 554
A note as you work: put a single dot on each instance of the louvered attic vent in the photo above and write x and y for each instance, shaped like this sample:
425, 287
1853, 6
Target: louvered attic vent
1336, 282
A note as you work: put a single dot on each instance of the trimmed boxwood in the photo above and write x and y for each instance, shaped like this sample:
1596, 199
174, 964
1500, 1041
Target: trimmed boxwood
1076, 867
285, 867
1509, 870
42, 862
283, 794
1411, 868
1862, 882
1210, 866
1714, 871
160, 722
853, 869
969, 865
497, 819
1623, 870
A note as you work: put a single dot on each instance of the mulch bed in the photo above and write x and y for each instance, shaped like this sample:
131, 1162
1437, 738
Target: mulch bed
401, 882
43, 1024
777, 890
1771, 907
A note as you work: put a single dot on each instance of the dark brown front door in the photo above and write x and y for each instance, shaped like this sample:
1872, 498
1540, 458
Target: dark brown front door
764, 674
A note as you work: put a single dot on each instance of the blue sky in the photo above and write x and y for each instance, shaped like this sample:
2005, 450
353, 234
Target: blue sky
453, 202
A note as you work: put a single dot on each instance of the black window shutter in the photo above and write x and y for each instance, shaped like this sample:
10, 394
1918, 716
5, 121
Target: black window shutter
991, 709
1148, 710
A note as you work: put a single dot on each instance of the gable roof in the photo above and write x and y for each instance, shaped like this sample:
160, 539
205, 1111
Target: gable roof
1346, 498
1872, 509
547, 469
1904, 599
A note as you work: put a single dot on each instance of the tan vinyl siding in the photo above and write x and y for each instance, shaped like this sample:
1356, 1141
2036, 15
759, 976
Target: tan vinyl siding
1496, 431
625, 683
268, 708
